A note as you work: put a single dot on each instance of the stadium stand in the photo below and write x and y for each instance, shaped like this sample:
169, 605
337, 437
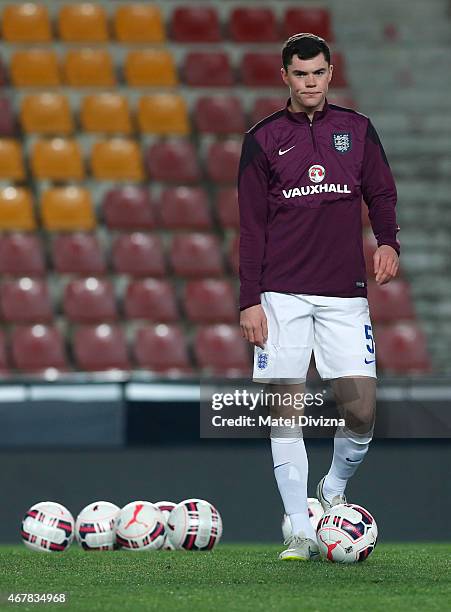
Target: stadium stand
100, 347
16, 209
162, 348
35, 348
46, 113
85, 22
107, 113
78, 253
151, 299
129, 208
25, 300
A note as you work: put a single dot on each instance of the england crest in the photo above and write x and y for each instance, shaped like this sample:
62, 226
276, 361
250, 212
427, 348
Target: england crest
262, 361
342, 142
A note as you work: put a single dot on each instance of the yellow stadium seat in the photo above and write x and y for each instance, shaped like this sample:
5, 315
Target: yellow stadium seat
84, 22
139, 23
16, 210
35, 68
150, 68
57, 159
46, 113
89, 68
163, 114
67, 209
117, 159
11, 162
26, 22
105, 112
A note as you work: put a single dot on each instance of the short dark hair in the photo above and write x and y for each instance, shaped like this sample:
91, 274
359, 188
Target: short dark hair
305, 46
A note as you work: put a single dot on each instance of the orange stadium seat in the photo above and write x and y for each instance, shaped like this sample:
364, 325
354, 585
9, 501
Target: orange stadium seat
308, 19
7, 119
267, 106
185, 208
196, 255
150, 68
78, 253
163, 114
16, 209
219, 115
401, 349
248, 25
233, 254
57, 159
26, 22
339, 78
66, 209
261, 69
152, 299
139, 23
129, 208
210, 301
35, 68
11, 162
38, 347
227, 207
105, 112
89, 300
161, 348
207, 69
21, 255
391, 302
46, 113
220, 349
223, 160
117, 159
100, 347
84, 22
195, 24
4, 362
25, 300
89, 68
138, 254
174, 161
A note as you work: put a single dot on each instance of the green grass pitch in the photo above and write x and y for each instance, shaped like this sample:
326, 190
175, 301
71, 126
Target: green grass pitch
232, 577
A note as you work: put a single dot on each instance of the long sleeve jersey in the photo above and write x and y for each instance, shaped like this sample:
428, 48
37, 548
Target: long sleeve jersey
300, 188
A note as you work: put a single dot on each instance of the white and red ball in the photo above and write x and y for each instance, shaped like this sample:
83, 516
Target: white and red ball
166, 507
140, 526
315, 512
94, 527
194, 524
48, 527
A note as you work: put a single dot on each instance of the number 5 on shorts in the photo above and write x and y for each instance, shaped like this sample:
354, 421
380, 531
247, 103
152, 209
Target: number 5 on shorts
369, 336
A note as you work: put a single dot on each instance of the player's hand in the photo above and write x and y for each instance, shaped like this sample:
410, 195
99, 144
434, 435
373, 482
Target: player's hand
253, 325
386, 264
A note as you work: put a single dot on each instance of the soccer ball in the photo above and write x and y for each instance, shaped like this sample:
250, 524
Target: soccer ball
194, 524
315, 512
140, 526
346, 533
166, 508
48, 527
94, 527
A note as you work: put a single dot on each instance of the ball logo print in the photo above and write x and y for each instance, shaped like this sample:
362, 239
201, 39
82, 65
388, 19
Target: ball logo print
317, 173
194, 524
140, 526
48, 527
94, 527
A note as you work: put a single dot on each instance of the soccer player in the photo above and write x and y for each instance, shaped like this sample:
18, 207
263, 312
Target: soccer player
303, 172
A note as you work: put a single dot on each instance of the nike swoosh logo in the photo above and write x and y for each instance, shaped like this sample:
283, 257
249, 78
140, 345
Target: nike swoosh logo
312, 553
372, 360
286, 150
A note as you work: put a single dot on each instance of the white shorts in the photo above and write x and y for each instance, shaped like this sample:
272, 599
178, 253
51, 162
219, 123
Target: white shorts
338, 330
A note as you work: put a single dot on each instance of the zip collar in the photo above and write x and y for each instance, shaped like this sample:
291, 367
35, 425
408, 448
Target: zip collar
302, 117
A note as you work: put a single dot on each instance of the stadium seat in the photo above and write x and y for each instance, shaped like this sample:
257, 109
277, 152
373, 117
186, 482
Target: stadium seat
89, 68
207, 69
267, 106
219, 115
46, 113
369, 248
57, 159
78, 253
11, 163
195, 24
105, 112
139, 23
227, 207
150, 68
128, 208
4, 363
161, 348
101, 347
36, 348
21, 255
138, 254
35, 68
249, 25
220, 349
184, 208
117, 159
261, 69
7, 119
89, 300
163, 114
391, 302
25, 300
16, 209
84, 22
210, 301
26, 22
151, 299
66, 209
196, 255
401, 349
223, 160
233, 254
173, 161
339, 78
308, 19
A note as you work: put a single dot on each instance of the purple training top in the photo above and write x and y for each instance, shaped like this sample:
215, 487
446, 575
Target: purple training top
300, 188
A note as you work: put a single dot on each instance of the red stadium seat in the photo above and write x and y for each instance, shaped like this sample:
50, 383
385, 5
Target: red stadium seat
196, 255
210, 301
261, 69
4, 363
227, 207
151, 299
174, 161
401, 349
267, 106
7, 120
37, 348
369, 248
129, 208
220, 349
21, 255
308, 19
100, 347
161, 348
339, 78
138, 254
223, 161
78, 253
25, 300
195, 24
208, 69
89, 300
219, 115
253, 25
391, 302
185, 208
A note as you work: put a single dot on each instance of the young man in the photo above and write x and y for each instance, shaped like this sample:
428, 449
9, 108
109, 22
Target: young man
303, 172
